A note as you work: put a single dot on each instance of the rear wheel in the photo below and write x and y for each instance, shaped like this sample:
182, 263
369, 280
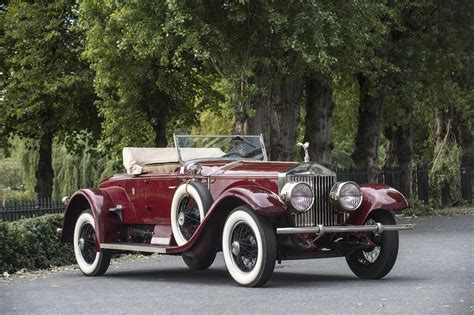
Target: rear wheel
90, 261
199, 262
378, 259
249, 247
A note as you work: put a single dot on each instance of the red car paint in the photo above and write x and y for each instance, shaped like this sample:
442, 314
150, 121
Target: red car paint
146, 200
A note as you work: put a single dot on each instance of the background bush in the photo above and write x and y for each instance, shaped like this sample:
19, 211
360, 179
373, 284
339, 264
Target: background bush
33, 244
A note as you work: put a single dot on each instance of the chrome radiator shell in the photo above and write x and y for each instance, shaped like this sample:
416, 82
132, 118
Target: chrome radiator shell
322, 211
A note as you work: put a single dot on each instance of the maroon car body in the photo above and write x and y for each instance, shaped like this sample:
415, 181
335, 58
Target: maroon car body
133, 212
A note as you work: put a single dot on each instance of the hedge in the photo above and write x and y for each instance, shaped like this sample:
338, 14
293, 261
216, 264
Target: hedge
33, 244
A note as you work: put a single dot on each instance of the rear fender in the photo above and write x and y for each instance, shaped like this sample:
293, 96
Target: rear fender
377, 196
99, 201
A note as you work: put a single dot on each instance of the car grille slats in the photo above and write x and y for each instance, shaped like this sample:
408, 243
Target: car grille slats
322, 211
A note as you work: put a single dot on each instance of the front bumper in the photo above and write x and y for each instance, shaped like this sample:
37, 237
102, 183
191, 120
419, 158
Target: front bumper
377, 228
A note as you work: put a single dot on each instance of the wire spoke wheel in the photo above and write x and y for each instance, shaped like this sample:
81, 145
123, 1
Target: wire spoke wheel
87, 243
91, 261
244, 247
370, 255
189, 217
191, 201
378, 257
249, 247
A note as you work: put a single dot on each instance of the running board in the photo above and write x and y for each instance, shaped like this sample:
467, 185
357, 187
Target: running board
134, 247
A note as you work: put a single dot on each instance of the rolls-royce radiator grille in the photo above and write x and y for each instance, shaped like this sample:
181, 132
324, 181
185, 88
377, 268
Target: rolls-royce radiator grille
322, 211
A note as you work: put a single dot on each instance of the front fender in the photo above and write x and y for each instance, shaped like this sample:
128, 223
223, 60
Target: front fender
261, 200
377, 196
99, 201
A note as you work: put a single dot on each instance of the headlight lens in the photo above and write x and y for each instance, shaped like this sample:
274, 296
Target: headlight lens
346, 196
298, 195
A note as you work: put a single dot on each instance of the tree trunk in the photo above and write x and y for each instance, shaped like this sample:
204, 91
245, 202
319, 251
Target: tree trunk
440, 125
276, 117
242, 119
159, 127
368, 132
44, 170
318, 122
401, 153
466, 141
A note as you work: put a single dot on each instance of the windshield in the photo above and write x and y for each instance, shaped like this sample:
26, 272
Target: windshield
220, 147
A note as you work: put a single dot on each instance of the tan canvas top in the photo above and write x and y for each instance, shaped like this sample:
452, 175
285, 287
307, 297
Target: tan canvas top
135, 159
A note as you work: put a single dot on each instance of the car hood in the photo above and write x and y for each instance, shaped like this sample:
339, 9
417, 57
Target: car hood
246, 168
261, 169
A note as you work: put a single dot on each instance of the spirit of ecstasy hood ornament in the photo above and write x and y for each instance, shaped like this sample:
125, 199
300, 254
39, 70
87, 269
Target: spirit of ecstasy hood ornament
305, 148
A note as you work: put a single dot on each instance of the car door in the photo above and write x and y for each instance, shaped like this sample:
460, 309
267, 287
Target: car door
152, 195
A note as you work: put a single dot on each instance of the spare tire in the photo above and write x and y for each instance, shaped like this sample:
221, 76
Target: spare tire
191, 201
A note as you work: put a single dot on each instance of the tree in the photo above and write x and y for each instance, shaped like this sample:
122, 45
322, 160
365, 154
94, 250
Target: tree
353, 32
148, 77
266, 51
49, 89
430, 84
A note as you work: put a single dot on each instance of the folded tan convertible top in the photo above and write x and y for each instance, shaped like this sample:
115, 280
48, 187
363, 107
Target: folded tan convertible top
135, 159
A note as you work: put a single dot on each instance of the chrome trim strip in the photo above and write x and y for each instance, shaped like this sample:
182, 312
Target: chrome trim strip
321, 229
134, 247
264, 150
175, 139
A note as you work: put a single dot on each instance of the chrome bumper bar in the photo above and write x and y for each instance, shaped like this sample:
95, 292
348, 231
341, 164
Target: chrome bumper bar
321, 229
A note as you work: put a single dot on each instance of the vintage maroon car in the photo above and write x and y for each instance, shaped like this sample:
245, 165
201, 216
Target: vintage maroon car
219, 193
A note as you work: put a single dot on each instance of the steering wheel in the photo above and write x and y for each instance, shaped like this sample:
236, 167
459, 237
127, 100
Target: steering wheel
244, 140
233, 154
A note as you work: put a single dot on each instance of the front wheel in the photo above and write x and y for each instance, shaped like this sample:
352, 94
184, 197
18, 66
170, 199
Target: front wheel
376, 261
90, 261
249, 247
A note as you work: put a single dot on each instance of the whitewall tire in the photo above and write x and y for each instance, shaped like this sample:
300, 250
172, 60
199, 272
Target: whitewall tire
90, 261
249, 247
190, 204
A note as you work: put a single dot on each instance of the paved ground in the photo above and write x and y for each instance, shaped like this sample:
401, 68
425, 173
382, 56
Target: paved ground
433, 274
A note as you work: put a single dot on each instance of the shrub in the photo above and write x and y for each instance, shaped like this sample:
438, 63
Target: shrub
33, 244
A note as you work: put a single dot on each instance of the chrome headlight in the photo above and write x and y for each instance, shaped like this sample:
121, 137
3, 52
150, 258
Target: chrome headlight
346, 196
297, 195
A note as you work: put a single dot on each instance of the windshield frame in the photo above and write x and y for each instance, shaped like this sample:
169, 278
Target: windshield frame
260, 138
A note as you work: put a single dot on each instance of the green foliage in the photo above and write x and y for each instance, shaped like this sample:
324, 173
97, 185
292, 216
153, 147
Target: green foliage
445, 171
9, 169
49, 90
79, 170
33, 244
431, 49
346, 98
148, 78
84, 167
188, 65
419, 208
217, 121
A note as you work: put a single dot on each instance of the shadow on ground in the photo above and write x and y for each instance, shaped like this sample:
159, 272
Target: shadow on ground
220, 277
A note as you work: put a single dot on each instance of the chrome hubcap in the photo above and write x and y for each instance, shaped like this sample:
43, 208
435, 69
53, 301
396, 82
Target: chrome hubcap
235, 248
81, 243
181, 218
